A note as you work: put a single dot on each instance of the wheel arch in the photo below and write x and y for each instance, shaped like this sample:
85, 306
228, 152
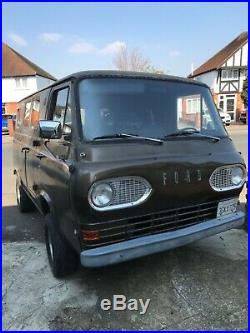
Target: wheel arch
46, 203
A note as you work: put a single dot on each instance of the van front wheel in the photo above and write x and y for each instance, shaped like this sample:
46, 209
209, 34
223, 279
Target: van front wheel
62, 258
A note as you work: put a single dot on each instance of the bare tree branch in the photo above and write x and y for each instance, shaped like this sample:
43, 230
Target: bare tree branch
138, 63
133, 61
121, 59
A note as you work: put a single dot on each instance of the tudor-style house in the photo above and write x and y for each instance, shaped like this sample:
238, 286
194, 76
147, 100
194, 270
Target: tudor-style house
225, 73
20, 78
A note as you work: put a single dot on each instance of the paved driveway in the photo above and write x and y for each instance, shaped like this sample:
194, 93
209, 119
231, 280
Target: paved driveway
200, 286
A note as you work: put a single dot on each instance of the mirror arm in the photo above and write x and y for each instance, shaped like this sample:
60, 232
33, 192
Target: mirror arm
67, 137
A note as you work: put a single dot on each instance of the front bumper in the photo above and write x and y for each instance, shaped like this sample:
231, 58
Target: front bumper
139, 247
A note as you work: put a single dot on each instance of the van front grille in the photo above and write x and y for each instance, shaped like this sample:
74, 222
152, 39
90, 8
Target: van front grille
222, 178
124, 229
127, 190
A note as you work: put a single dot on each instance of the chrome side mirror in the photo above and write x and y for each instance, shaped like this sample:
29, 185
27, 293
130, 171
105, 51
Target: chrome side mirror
67, 129
50, 129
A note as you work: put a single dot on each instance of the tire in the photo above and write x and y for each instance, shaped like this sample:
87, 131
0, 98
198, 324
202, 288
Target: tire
62, 258
24, 202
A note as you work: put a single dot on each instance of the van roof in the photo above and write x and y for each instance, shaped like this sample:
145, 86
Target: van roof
119, 74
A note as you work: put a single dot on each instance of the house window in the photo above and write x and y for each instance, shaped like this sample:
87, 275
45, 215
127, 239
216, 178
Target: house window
193, 105
21, 82
228, 104
230, 74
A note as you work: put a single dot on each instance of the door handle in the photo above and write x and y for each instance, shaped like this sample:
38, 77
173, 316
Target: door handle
26, 149
40, 156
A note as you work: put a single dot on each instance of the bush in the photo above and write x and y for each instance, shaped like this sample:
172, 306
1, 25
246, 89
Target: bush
244, 94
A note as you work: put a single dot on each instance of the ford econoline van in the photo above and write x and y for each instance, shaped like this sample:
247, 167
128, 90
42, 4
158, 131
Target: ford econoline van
123, 165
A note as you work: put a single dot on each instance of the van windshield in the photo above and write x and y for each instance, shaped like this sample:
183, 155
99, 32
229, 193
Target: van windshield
145, 107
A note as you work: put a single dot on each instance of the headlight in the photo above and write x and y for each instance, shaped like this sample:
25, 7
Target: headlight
117, 193
237, 176
228, 177
101, 195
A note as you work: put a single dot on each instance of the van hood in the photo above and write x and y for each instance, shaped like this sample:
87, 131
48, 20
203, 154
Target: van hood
178, 172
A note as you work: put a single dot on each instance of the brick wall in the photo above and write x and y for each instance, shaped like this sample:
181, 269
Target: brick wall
239, 106
10, 108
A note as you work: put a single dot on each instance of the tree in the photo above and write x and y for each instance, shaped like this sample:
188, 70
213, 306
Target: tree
244, 94
121, 59
125, 60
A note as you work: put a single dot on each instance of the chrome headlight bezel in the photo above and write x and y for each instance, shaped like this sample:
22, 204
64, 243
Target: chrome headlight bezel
112, 205
101, 188
229, 169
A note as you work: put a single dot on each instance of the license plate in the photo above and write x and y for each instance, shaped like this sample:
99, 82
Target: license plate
227, 207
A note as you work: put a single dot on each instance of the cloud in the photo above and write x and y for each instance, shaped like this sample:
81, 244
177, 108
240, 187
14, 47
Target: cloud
82, 47
112, 48
17, 39
50, 37
174, 53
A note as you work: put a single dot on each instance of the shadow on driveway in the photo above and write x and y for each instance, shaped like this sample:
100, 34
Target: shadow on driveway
17, 227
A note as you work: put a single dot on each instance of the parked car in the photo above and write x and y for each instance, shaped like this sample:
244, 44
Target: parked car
243, 116
225, 117
5, 118
121, 165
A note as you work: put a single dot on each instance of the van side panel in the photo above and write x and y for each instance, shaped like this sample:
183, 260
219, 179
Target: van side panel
52, 176
26, 134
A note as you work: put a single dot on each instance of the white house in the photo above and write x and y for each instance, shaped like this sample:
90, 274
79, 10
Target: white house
224, 73
20, 78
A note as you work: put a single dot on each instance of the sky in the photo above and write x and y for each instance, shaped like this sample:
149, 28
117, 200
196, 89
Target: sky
66, 37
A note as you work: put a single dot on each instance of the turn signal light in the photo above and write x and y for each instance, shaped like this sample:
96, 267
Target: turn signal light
90, 235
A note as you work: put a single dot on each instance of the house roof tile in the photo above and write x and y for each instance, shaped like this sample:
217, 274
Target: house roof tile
14, 64
220, 57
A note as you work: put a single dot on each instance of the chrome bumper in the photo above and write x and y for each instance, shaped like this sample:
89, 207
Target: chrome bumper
139, 247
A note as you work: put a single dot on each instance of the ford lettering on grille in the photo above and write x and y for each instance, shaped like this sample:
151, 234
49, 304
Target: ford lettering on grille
181, 177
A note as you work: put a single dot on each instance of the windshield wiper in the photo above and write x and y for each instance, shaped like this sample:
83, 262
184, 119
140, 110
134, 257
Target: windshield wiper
191, 131
125, 135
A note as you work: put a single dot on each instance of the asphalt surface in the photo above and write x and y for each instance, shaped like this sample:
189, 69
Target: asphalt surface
200, 286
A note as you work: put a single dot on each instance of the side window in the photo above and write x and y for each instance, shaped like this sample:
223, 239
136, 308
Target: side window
67, 118
60, 98
61, 111
35, 112
27, 114
43, 101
